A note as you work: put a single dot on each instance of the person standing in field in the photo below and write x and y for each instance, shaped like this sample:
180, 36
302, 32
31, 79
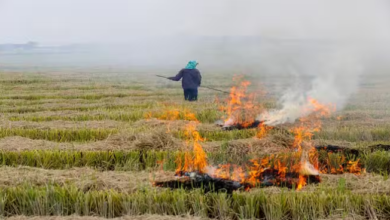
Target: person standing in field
190, 82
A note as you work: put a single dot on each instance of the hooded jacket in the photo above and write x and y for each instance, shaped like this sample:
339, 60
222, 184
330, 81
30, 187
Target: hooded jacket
191, 78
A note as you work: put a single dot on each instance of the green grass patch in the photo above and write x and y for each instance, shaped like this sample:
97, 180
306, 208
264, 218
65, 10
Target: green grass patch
219, 135
101, 160
355, 134
59, 135
108, 108
116, 116
79, 96
377, 162
69, 200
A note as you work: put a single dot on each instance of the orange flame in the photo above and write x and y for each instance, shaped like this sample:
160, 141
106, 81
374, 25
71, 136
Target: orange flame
290, 169
196, 161
305, 131
312, 122
302, 182
354, 167
263, 130
277, 164
172, 114
241, 106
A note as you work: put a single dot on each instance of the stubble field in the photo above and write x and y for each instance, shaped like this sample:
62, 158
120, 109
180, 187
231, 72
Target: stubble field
90, 145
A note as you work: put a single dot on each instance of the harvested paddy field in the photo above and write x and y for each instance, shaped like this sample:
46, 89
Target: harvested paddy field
94, 146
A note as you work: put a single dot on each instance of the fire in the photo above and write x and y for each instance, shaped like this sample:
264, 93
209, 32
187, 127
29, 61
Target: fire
312, 122
228, 171
262, 130
241, 106
197, 160
172, 114
304, 132
335, 164
301, 182
306, 168
296, 168
322, 109
354, 167
301, 133
278, 170
238, 174
189, 116
255, 171
281, 170
223, 171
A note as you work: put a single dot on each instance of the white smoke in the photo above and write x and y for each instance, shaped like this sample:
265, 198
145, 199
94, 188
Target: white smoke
335, 76
250, 37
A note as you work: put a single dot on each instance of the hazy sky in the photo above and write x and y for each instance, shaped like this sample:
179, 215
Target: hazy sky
64, 21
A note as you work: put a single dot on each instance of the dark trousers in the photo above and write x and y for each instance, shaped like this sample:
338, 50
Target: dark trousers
191, 94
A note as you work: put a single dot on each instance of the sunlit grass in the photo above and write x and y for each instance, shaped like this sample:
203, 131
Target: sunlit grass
378, 162
40, 99
79, 108
79, 96
59, 135
220, 135
69, 200
355, 134
117, 116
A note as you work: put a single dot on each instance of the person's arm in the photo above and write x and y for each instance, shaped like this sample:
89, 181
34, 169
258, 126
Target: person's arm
177, 77
200, 78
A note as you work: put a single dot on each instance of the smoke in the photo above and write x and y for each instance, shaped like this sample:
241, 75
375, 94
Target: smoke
335, 75
324, 45
329, 73
253, 37
247, 35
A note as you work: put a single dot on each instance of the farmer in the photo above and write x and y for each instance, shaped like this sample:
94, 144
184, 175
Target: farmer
190, 82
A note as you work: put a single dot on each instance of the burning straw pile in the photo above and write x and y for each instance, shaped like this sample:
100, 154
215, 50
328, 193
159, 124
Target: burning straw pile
295, 168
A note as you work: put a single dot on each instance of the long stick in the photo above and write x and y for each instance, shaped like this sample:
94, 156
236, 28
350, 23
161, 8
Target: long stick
200, 86
215, 89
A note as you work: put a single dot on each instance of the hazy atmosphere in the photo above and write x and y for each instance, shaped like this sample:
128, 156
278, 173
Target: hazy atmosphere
194, 110
100, 21
336, 41
226, 33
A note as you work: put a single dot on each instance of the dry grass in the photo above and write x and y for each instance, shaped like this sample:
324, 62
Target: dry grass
157, 139
345, 217
121, 141
141, 217
157, 217
72, 101
366, 183
83, 178
60, 124
131, 181
67, 200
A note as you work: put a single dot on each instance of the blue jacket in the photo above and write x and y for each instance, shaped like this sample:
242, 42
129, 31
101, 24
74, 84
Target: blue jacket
191, 78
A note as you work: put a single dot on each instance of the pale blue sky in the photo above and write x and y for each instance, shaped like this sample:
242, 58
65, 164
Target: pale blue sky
60, 21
